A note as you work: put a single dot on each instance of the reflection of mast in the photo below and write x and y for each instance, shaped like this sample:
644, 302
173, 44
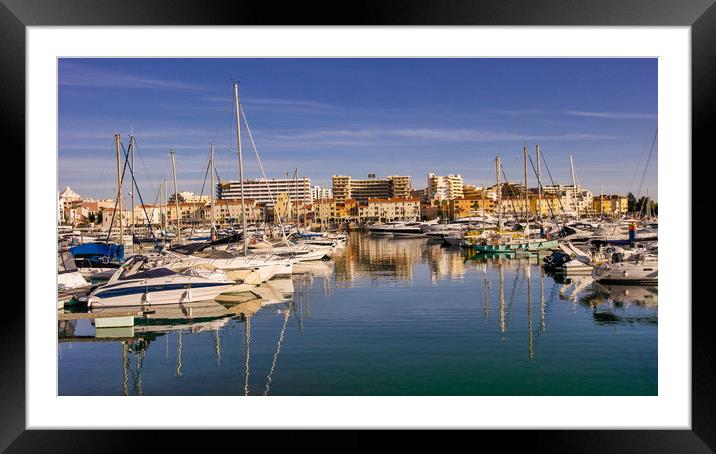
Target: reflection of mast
139, 351
138, 375
484, 292
541, 298
300, 310
286, 313
178, 363
247, 340
528, 275
501, 301
125, 377
217, 347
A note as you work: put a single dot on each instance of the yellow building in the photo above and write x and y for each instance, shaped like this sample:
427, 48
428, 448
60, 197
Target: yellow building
610, 205
399, 186
471, 206
333, 210
513, 206
391, 209
545, 206
470, 191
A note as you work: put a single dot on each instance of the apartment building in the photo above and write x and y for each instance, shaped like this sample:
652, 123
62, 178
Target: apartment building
394, 186
446, 187
266, 190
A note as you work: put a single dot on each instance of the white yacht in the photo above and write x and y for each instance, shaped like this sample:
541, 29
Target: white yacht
400, 229
629, 267
139, 283
266, 266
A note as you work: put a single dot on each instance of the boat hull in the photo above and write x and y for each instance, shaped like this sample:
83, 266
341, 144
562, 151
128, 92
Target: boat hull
156, 294
527, 246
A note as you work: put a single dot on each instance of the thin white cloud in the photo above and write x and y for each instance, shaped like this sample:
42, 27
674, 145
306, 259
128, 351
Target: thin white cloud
367, 136
615, 115
78, 75
580, 113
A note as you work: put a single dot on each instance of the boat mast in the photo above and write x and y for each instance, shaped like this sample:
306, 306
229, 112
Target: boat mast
539, 186
131, 145
499, 194
574, 182
176, 194
527, 198
164, 218
117, 140
213, 215
295, 185
241, 166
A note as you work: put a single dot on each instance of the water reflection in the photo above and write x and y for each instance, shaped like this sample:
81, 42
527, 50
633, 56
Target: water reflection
513, 300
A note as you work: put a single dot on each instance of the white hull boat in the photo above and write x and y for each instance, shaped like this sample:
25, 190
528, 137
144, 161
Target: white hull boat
133, 285
637, 268
265, 267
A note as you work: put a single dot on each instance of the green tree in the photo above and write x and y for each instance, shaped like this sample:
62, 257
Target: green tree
631, 203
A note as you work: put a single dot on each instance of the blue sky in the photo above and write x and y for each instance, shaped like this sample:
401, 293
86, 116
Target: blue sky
359, 116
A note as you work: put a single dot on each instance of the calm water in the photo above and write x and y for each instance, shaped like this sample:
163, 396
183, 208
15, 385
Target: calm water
385, 317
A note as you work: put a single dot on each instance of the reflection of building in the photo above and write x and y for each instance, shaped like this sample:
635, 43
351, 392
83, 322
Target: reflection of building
366, 257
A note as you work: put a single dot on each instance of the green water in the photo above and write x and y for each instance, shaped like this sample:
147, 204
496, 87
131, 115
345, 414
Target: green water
385, 317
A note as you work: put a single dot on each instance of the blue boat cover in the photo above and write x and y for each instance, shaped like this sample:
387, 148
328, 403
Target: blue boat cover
99, 252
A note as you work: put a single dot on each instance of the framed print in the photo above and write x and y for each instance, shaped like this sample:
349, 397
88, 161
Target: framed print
418, 216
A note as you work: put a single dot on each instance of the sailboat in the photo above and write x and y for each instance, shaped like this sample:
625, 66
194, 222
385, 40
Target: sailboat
510, 242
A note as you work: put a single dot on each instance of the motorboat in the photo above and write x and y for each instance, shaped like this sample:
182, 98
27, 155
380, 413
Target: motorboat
266, 266
287, 249
138, 282
628, 267
399, 229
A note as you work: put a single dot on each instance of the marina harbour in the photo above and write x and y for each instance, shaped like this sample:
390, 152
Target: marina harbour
527, 283
383, 316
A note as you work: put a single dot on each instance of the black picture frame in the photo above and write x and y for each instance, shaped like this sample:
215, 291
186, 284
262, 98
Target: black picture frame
16, 15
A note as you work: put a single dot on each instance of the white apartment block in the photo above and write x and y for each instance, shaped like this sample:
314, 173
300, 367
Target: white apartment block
319, 193
444, 187
266, 190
